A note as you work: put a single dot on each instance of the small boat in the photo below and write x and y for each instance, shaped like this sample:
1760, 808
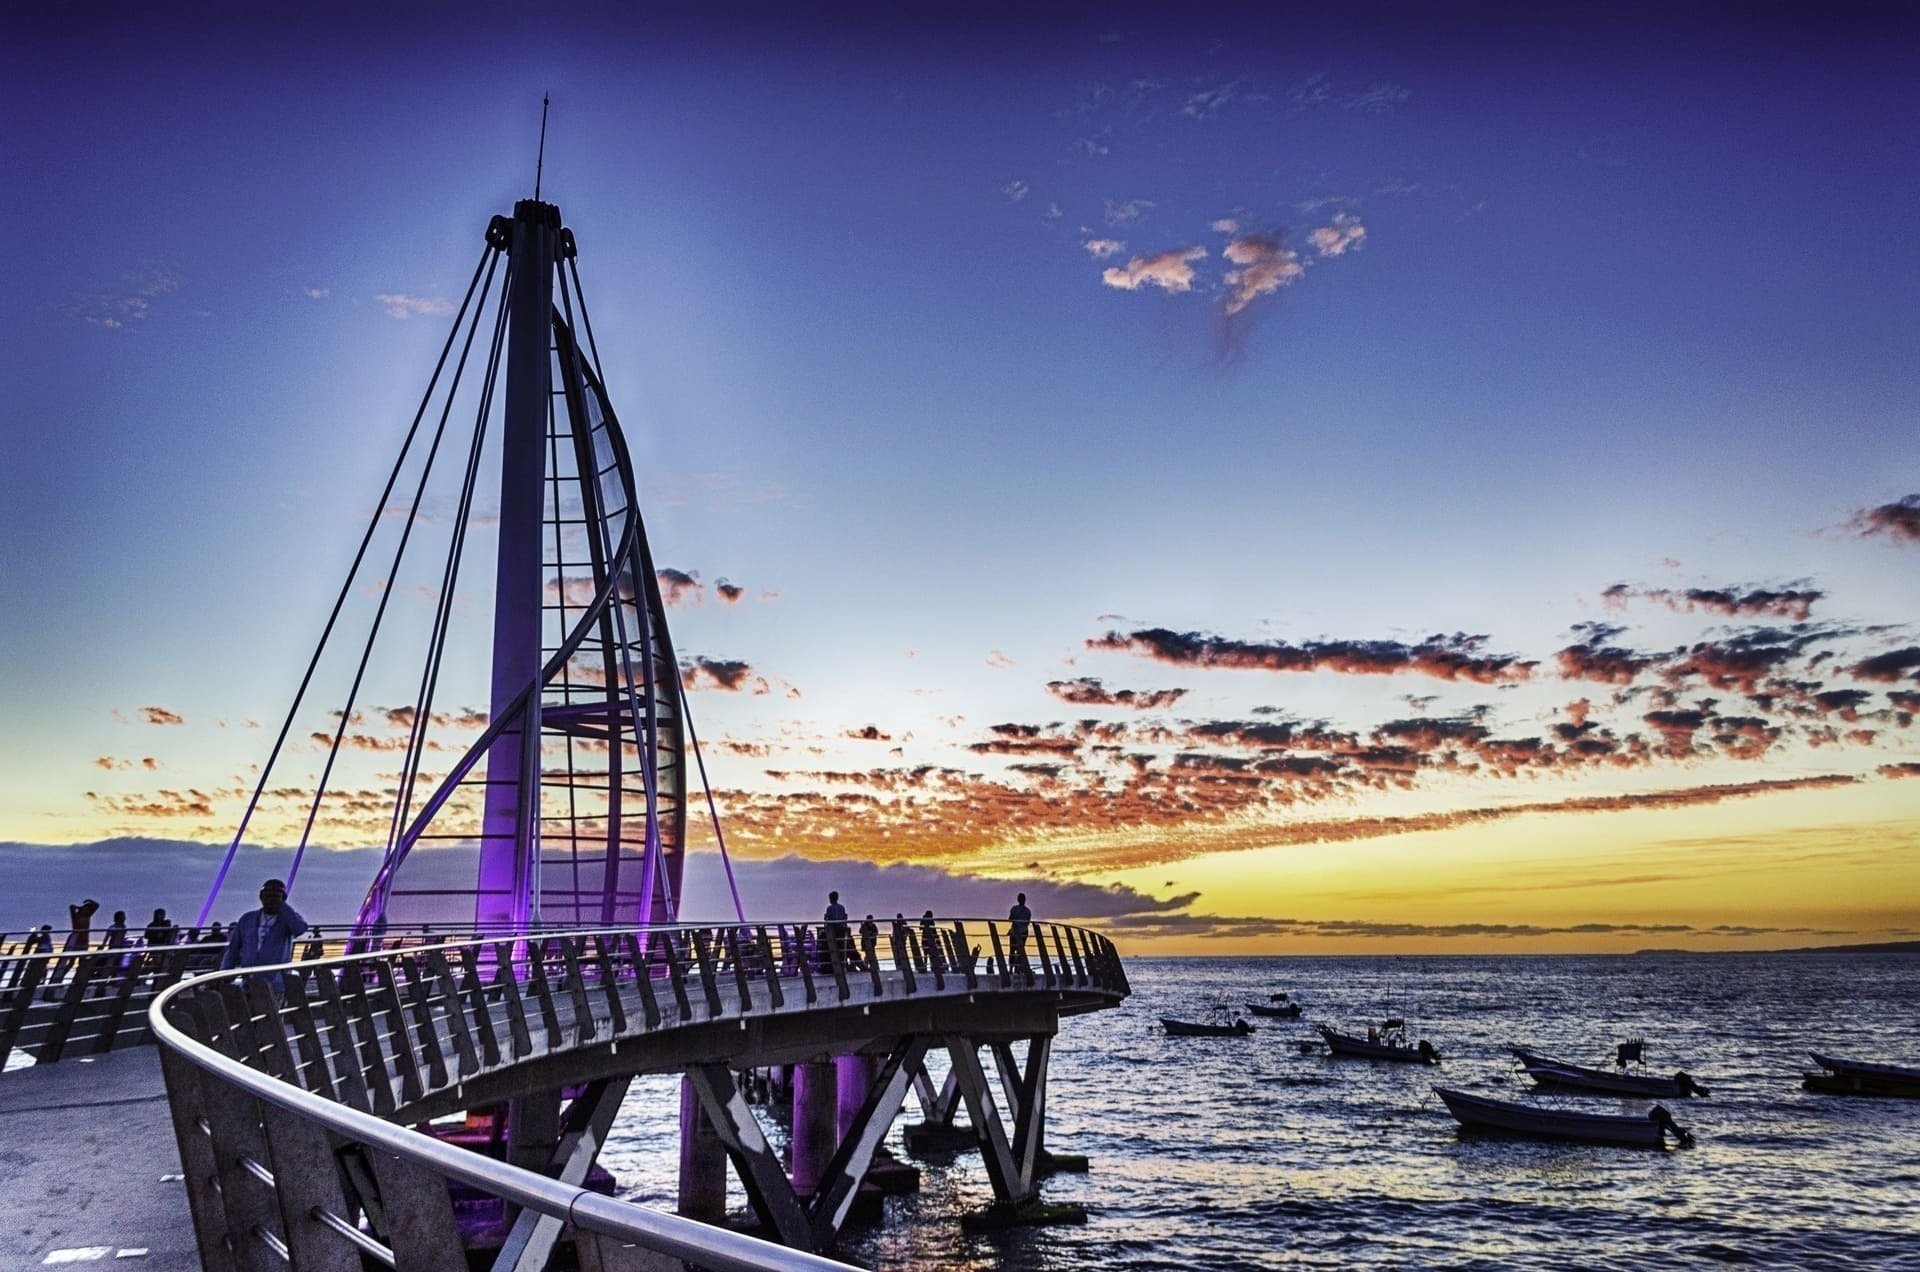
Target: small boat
1576, 1079
1388, 1042
1503, 1117
1858, 1077
1220, 1023
1277, 1005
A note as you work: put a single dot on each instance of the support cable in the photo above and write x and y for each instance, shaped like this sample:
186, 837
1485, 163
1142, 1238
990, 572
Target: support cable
386, 592
686, 714
266, 771
443, 612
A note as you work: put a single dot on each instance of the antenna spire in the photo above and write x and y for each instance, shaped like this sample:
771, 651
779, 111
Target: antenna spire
541, 162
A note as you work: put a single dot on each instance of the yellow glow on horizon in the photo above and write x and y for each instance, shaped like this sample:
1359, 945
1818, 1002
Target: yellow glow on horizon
1845, 862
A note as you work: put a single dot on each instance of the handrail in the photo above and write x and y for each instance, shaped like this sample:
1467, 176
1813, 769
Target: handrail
422, 1017
717, 1248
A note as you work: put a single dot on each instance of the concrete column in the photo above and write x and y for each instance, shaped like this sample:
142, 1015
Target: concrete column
815, 1124
853, 1078
703, 1161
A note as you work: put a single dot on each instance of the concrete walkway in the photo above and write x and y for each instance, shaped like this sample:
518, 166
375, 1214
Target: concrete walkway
90, 1171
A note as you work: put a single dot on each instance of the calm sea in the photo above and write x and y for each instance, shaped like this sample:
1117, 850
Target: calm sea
1244, 1153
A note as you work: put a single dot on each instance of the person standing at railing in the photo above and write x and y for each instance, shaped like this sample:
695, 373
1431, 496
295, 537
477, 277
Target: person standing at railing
264, 937
79, 934
1022, 920
117, 931
839, 940
930, 945
869, 945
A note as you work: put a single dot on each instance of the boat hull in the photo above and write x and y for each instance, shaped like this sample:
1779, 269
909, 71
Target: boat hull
1574, 1079
1856, 1077
1290, 1012
1501, 1117
1196, 1029
1348, 1046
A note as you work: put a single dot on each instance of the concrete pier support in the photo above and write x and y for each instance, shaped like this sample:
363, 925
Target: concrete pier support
816, 1124
703, 1161
853, 1078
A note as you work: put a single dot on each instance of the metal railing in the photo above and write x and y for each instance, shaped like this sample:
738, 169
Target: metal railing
286, 1096
87, 1001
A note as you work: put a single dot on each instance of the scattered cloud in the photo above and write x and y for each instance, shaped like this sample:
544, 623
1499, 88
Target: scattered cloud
1895, 664
1794, 602
679, 587
1335, 239
1101, 248
318, 293
160, 715
131, 302
1089, 691
1127, 213
1016, 190
1170, 271
1898, 521
1262, 266
1209, 102
1455, 657
998, 660
729, 592
403, 306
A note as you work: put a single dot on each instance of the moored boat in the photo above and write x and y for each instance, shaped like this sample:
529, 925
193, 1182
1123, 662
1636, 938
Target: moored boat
1277, 1005
1558, 1075
1859, 1077
1389, 1042
1220, 1023
1504, 1117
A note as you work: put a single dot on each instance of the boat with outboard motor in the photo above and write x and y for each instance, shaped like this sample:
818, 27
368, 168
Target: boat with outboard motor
1388, 1041
1575, 1079
1221, 1022
1528, 1121
1860, 1077
1277, 1005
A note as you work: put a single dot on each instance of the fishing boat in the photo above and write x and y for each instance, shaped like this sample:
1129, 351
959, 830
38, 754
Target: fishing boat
1277, 1005
1858, 1077
1574, 1079
1220, 1023
1504, 1117
1388, 1042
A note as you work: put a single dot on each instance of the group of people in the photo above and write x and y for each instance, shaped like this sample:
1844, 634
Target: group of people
259, 938
931, 951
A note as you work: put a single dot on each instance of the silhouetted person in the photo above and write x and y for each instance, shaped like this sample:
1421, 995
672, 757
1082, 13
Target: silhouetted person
117, 931
902, 937
42, 941
80, 923
839, 940
265, 936
869, 944
930, 944
1022, 920
160, 930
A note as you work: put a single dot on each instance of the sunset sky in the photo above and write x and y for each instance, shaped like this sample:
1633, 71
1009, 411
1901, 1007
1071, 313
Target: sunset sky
1259, 479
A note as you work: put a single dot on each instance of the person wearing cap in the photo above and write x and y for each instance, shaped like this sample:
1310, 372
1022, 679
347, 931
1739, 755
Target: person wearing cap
264, 937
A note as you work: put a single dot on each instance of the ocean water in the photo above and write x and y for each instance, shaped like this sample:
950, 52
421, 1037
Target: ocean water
1244, 1153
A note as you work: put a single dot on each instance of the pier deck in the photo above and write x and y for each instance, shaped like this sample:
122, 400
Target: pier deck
88, 1154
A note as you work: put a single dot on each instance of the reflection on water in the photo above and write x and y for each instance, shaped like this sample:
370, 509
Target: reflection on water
1242, 1152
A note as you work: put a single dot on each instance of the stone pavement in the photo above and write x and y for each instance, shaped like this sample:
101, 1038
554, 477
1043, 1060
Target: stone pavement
89, 1174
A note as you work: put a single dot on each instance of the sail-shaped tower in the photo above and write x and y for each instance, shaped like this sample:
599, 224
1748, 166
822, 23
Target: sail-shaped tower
570, 808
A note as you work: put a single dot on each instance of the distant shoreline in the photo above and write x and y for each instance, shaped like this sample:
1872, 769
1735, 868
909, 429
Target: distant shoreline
1882, 947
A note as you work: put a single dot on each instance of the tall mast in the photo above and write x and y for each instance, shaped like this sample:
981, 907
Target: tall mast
509, 875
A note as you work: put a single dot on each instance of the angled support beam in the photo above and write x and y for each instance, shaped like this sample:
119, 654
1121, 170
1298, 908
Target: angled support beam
936, 1108
1010, 1165
863, 1135
584, 1131
767, 1185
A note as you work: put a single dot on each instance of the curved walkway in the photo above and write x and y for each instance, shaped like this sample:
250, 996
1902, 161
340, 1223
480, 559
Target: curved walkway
289, 1108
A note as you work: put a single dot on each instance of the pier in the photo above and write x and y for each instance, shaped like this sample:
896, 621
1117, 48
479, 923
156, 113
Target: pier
431, 1087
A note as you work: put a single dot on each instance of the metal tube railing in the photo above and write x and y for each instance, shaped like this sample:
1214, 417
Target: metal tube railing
393, 1026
